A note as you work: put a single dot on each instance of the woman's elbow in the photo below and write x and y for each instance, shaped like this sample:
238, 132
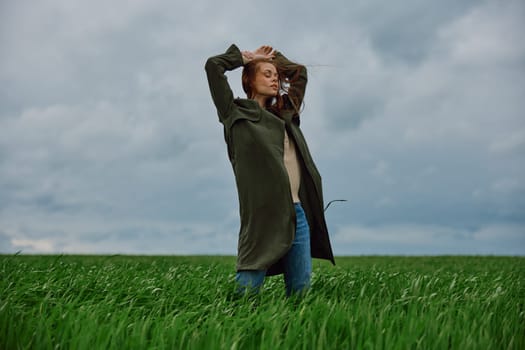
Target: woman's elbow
210, 65
207, 65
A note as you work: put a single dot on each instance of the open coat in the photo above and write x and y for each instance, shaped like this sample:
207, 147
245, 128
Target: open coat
255, 142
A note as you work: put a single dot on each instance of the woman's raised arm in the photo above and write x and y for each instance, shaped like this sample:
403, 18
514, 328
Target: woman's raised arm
296, 75
220, 90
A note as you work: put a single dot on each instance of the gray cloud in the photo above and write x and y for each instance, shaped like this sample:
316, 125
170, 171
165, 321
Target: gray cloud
111, 143
430, 240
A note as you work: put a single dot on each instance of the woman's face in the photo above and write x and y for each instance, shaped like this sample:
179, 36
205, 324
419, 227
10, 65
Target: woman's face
266, 81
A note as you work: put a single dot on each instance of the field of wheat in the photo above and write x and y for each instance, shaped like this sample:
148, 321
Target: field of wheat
163, 302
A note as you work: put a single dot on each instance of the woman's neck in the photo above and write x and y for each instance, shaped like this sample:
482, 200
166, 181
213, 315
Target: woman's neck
261, 100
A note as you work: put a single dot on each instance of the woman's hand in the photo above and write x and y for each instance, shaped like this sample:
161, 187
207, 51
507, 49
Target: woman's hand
247, 56
265, 51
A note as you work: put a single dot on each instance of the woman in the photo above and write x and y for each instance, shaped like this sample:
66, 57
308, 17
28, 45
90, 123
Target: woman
279, 187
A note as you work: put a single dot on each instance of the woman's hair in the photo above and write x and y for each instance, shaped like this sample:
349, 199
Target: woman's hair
285, 81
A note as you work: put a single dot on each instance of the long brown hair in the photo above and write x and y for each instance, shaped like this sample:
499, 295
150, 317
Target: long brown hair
285, 80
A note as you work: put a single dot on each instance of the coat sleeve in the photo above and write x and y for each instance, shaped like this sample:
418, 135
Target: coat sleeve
297, 75
221, 92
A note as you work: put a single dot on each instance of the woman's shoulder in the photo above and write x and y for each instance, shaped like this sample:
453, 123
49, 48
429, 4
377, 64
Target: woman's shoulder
246, 103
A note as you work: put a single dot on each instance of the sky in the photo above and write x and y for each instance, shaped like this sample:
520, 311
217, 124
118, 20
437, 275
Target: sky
110, 143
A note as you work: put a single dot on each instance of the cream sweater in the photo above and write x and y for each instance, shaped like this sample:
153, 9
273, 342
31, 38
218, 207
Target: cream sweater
292, 167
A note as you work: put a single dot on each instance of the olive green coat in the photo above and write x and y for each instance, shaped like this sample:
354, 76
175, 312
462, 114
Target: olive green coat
255, 142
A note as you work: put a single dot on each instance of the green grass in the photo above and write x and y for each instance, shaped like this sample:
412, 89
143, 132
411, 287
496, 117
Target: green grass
125, 302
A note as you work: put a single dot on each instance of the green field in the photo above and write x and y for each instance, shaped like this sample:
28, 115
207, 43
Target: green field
130, 302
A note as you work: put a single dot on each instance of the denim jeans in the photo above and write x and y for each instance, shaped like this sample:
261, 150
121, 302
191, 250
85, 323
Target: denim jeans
297, 263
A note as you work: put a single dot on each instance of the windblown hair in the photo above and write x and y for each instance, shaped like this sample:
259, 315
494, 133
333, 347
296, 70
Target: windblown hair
287, 98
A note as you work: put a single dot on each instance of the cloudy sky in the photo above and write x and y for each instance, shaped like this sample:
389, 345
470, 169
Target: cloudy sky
110, 143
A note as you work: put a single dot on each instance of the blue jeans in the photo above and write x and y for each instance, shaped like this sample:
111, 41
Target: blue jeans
297, 262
